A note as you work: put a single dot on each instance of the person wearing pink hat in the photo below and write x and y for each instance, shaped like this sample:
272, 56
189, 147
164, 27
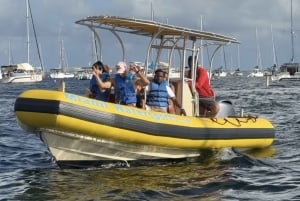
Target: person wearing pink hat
125, 92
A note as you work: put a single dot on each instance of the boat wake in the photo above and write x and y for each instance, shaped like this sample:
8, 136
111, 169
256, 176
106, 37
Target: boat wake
243, 157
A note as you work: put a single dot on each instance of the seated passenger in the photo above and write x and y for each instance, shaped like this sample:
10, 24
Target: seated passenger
124, 83
100, 83
159, 92
140, 94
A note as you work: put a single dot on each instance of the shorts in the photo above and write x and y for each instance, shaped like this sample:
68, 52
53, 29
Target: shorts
158, 109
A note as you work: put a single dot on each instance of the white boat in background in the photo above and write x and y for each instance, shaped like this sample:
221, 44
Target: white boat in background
20, 73
219, 72
23, 72
56, 73
290, 70
9, 60
84, 73
61, 72
257, 70
237, 72
172, 71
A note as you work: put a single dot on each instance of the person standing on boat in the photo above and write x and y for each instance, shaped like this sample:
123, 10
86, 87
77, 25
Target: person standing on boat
125, 92
158, 93
100, 83
207, 104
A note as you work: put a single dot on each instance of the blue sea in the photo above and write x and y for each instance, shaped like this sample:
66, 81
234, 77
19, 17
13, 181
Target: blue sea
27, 171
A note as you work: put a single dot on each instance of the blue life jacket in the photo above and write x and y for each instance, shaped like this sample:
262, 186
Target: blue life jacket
96, 93
158, 95
124, 89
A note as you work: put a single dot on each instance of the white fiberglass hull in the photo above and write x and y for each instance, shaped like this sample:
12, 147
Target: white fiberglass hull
69, 148
285, 76
257, 74
61, 75
23, 78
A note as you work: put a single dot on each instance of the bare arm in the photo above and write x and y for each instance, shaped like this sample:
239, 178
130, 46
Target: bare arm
144, 79
101, 85
175, 101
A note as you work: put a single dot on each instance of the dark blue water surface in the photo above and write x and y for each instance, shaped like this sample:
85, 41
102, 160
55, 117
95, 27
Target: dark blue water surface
27, 171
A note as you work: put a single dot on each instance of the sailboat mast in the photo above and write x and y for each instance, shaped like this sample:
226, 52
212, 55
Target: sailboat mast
152, 11
273, 47
9, 53
259, 63
62, 59
27, 24
239, 59
292, 34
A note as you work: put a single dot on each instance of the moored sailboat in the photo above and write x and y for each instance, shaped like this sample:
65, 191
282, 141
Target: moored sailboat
289, 70
23, 72
61, 72
257, 70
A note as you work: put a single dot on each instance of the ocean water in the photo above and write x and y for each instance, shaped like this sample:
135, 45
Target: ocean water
27, 171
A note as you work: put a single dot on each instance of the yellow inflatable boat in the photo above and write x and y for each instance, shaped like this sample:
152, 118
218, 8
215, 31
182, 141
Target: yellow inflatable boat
77, 128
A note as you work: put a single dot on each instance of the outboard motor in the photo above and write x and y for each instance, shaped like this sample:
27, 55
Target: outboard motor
226, 109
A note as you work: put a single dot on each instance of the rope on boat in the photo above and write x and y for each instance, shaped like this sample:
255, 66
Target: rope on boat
238, 122
127, 164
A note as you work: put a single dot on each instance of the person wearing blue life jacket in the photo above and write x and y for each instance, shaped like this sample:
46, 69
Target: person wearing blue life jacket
100, 83
158, 93
125, 92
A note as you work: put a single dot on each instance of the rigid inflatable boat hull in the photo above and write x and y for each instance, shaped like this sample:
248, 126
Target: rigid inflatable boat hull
77, 128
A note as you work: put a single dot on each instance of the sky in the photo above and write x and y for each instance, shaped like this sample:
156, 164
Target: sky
54, 21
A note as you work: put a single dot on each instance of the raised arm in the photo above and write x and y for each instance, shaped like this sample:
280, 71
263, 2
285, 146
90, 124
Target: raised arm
144, 79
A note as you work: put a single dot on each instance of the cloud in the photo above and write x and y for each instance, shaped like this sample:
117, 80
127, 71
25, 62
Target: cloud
235, 18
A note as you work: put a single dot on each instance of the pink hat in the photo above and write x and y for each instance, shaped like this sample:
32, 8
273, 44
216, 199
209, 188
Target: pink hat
121, 67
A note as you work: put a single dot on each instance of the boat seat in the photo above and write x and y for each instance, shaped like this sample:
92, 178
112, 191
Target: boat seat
187, 99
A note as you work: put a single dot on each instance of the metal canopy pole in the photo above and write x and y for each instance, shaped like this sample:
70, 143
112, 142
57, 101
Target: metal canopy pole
99, 42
